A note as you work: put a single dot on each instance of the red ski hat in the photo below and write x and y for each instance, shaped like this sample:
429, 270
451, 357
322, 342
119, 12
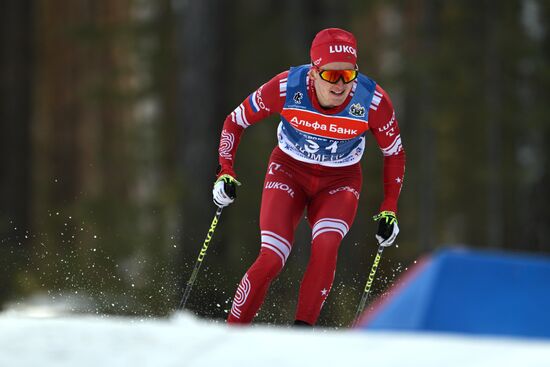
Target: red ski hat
333, 45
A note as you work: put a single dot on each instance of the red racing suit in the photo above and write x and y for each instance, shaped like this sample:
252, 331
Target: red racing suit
315, 167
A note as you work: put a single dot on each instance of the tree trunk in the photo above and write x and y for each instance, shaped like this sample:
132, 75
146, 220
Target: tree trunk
15, 114
199, 118
494, 214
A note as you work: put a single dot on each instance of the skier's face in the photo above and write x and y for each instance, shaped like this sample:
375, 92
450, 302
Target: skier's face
331, 94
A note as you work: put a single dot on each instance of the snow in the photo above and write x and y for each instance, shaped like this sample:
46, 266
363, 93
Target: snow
47, 339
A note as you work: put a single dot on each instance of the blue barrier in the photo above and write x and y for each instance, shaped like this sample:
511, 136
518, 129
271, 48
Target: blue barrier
467, 291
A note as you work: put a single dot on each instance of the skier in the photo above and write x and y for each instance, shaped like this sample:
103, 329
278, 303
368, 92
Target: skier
326, 108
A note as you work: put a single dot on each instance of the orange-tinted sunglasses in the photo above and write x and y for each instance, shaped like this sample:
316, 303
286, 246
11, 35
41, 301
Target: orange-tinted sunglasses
332, 76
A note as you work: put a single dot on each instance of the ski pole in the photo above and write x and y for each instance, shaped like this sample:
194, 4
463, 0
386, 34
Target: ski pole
368, 285
202, 254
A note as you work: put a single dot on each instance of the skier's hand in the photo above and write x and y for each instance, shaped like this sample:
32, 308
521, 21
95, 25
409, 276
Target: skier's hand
387, 228
225, 190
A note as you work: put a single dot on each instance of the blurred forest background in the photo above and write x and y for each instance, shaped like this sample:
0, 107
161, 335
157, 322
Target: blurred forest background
110, 115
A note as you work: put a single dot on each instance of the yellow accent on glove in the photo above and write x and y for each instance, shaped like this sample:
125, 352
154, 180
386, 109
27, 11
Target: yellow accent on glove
228, 179
388, 216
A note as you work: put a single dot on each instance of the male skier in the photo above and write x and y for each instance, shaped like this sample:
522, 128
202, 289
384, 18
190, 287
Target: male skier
326, 109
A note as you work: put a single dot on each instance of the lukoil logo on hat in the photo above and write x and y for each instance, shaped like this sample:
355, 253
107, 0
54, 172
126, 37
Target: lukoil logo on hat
333, 45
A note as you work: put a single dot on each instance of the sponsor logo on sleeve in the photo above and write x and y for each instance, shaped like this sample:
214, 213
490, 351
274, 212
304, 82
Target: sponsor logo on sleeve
259, 99
389, 127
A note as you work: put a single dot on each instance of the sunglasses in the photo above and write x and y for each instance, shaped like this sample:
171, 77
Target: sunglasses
332, 76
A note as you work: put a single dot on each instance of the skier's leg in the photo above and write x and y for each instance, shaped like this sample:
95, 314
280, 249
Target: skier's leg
330, 214
282, 207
